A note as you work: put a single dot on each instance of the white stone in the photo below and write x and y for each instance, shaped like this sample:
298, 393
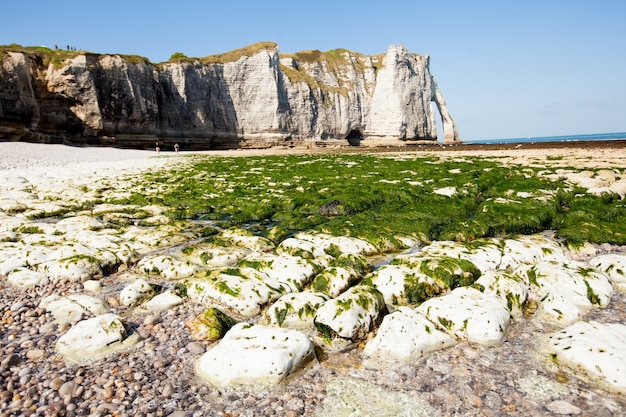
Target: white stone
445, 191
12, 256
136, 292
245, 293
469, 315
295, 310
614, 265
585, 287
353, 314
334, 280
166, 266
27, 278
559, 309
215, 256
243, 238
254, 354
511, 289
297, 247
406, 335
393, 281
79, 268
71, 308
597, 349
319, 244
294, 271
92, 285
94, 338
163, 301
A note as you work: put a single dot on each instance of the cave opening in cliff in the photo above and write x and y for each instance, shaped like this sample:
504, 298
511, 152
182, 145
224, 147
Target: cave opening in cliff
355, 137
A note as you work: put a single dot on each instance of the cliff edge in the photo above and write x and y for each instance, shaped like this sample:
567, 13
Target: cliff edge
251, 97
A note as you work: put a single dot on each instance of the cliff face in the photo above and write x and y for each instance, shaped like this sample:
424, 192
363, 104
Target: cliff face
247, 98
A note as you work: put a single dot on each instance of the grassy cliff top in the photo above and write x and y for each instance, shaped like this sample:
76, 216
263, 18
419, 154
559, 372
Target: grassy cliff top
233, 56
57, 56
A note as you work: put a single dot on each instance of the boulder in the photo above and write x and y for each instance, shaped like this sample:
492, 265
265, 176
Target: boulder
596, 349
163, 301
352, 315
572, 286
243, 290
511, 289
212, 324
469, 314
295, 310
72, 307
166, 266
614, 266
27, 278
401, 285
294, 271
406, 335
252, 354
137, 292
95, 338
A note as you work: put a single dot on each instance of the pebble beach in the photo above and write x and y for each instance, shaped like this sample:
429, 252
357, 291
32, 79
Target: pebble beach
157, 377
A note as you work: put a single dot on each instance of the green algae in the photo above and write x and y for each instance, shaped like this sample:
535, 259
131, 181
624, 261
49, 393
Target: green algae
389, 198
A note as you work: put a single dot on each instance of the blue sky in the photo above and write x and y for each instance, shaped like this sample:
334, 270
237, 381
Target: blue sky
507, 68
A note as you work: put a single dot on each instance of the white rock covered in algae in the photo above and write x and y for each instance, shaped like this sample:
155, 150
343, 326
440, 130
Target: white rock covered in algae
597, 349
469, 315
252, 354
406, 335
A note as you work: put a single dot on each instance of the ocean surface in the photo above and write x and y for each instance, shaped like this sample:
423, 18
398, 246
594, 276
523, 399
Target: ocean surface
567, 138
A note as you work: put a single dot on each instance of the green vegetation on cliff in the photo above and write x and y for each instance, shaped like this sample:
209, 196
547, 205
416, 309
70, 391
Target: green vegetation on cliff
235, 55
46, 55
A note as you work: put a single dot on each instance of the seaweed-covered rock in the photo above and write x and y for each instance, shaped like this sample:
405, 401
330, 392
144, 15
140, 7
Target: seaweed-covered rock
77, 268
295, 310
210, 255
597, 349
469, 315
319, 244
406, 335
334, 280
243, 238
614, 266
401, 285
335, 208
511, 289
252, 354
166, 266
137, 292
448, 271
212, 324
352, 315
573, 284
242, 290
294, 271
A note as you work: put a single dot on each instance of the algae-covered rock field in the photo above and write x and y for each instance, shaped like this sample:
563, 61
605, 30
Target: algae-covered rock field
275, 265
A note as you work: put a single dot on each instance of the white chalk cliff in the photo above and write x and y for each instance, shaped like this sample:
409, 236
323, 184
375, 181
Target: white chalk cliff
246, 98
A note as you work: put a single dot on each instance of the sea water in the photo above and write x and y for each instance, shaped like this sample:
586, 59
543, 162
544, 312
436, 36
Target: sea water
567, 138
